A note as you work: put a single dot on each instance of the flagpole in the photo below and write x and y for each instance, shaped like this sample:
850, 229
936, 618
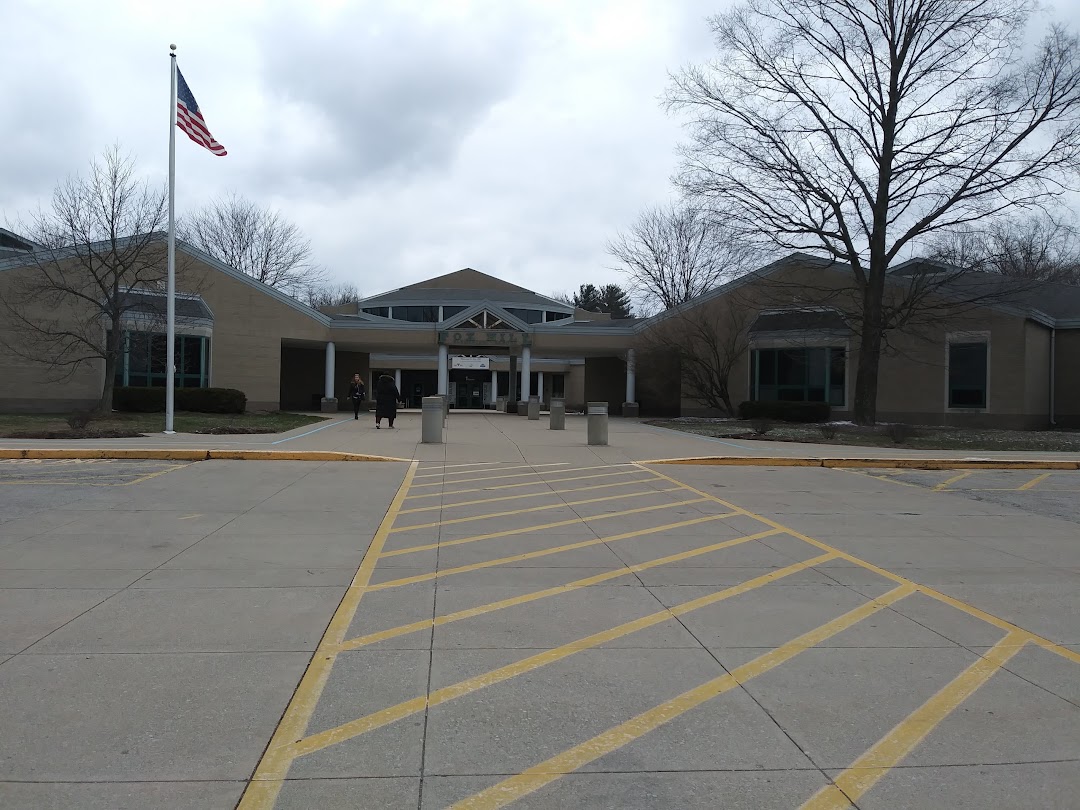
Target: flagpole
170, 339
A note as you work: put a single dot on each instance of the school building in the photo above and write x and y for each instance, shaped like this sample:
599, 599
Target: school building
1010, 360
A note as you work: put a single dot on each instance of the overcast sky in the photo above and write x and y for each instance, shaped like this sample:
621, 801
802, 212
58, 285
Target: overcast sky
406, 139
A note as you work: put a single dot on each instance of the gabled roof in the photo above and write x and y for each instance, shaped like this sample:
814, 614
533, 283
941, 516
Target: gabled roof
455, 321
466, 279
466, 286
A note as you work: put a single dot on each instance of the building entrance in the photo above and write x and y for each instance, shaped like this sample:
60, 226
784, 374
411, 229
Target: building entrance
469, 388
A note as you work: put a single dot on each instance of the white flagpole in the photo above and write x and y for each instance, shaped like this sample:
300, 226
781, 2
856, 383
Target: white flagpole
170, 350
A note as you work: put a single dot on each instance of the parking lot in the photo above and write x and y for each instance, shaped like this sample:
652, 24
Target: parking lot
481, 635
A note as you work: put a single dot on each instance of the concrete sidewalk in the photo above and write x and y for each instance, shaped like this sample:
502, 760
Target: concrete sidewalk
495, 437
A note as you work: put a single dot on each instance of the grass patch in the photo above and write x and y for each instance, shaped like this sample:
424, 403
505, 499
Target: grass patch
923, 438
118, 425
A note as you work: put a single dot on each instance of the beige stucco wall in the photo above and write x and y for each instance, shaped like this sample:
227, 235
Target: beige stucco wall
29, 386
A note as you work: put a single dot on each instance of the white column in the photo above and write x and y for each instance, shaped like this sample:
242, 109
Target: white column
540, 385
397, 379
329, 386
444, 371
494, 385
631, 375
526, 361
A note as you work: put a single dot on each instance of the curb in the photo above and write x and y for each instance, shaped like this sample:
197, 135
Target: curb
886, 463
194, 455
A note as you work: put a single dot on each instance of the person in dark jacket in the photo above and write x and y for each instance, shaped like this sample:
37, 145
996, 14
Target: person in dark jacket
386, 400
356, 394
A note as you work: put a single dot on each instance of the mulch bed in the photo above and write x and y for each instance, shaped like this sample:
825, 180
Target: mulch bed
75, 434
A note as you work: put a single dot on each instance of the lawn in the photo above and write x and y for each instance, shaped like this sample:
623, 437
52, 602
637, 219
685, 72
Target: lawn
921, 438
47, 426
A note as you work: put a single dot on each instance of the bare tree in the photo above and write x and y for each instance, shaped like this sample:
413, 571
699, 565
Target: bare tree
673, 254
1043, 248
100, 245
254, 240
332, 294
858, 128
708, 340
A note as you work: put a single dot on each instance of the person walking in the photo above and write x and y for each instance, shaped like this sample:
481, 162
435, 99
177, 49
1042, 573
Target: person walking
386, 400
356, 394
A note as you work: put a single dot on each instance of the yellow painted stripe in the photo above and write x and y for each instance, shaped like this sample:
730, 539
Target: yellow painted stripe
971, 610
519, 497
868, 769
1034, 482
439, 621
526, 484
531, 780
495, 469
950, 481
532, 555
523, 475
262, 791
544, 508
354, 728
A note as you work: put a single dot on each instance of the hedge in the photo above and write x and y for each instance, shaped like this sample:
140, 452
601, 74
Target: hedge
200, 400
785, 411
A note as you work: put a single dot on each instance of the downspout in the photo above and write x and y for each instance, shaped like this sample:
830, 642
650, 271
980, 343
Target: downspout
1053, 354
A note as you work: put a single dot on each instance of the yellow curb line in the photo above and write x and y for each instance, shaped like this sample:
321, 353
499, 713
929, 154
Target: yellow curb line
194, 455
879, 463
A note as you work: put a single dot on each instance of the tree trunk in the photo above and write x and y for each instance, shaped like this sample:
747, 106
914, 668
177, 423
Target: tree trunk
105, 404
866, 377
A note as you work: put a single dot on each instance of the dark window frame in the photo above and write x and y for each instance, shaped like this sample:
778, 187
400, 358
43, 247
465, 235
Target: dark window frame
780, 364
973, 394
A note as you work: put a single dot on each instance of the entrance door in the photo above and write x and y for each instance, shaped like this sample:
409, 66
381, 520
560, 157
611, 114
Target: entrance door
469, 389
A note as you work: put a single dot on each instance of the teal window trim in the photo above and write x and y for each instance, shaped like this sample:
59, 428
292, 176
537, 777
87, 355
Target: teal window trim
773, 359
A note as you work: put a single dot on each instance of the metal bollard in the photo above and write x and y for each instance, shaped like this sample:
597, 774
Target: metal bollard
431, 425
558, 415
534, 408
597, 423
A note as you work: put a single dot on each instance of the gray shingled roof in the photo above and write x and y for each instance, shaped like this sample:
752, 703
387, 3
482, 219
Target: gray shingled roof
605, 324
799, 321
438, 295
150, 303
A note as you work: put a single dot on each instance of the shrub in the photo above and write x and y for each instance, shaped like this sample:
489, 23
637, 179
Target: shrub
200, 400
899, 432
761, 425
79, 420
828, 432
785, 411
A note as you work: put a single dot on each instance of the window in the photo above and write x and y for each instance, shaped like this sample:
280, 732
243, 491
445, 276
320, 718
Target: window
558, 386
801, 375
143, 361
967, 375
527, 315
451, 311
556, 316
382, 312
417, 314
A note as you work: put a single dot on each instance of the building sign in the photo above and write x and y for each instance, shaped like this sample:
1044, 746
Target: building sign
482, 337
474, 363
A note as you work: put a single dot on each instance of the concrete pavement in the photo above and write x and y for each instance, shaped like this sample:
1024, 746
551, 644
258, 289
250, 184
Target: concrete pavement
554, 626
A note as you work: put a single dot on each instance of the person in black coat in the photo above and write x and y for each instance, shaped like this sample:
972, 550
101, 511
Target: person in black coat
356, 394
386, 400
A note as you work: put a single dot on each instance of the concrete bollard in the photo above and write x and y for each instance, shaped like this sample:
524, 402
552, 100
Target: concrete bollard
558, 415
534, 408
432, 415
597, 428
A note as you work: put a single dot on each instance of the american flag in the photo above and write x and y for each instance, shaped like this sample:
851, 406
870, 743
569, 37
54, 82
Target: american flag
190, 120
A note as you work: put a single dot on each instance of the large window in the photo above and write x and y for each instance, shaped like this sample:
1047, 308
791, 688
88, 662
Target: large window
142, 363
416, 314
967, 375
382, 312
556, 316
801, 375
451, 311
527, 315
